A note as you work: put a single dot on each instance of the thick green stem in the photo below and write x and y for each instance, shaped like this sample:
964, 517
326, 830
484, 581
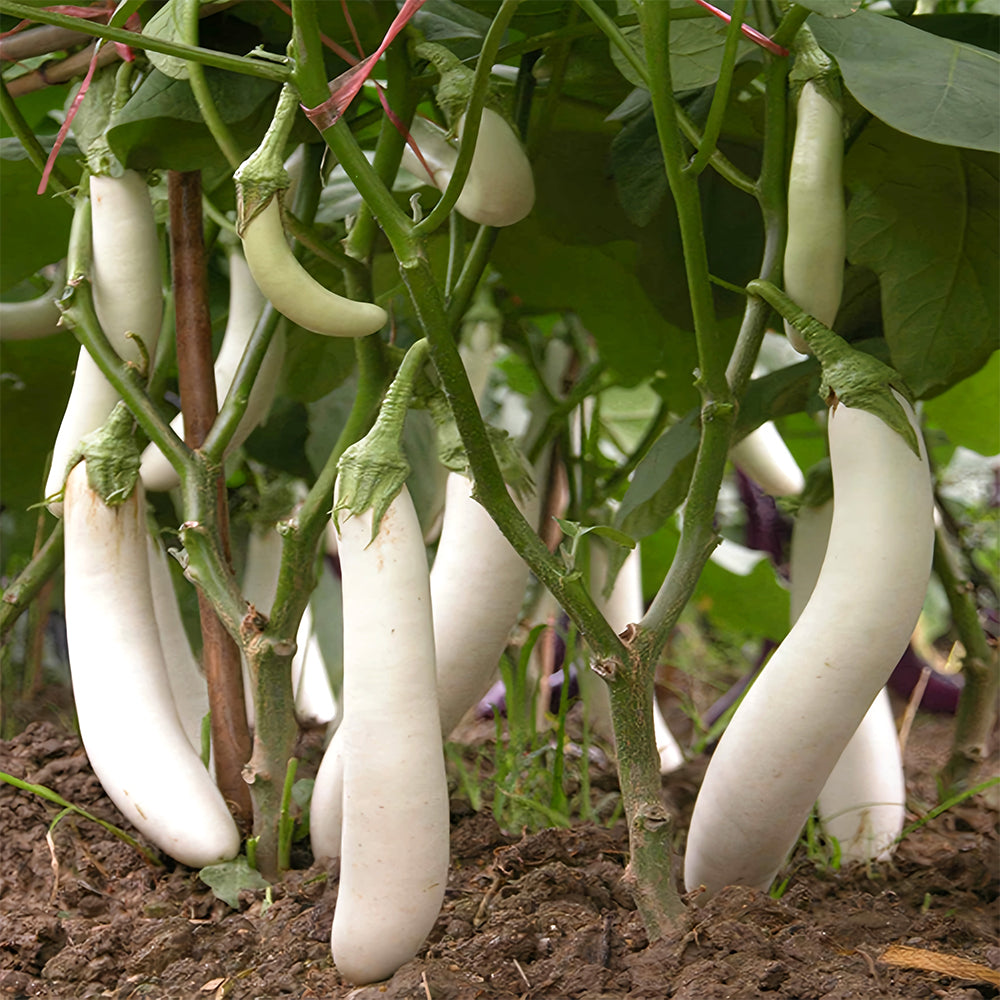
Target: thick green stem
23, 589
207, 57
490, 489
977, 705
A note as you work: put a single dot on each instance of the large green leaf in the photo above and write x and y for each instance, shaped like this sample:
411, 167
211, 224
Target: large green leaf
924, 218
599, 284
161, 127
755, 604
927, 86
660, 481
35, 227
968, 413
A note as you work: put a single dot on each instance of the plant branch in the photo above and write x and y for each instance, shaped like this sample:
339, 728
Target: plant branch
720, 97
614, 35
266, 70
203, 96
23, 589
977, 704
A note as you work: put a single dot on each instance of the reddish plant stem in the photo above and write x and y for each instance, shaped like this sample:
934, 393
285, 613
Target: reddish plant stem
220, 654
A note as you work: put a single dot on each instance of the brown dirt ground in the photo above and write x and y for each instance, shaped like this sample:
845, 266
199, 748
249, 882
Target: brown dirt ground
540, 916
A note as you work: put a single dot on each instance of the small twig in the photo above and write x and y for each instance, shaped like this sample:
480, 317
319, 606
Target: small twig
426, 985
872, 969
480, 916
517, 965
916, 696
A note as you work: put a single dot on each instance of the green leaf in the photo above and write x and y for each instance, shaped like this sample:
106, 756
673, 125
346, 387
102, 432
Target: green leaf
35, 227
696, 48
227, 879
831, 8
924, 218
637, 164
930, 87
314, 365
967, 413
161, 126
755, 604
660, 481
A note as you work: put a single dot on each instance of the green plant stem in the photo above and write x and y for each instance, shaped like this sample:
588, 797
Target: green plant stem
310, 80
23, 589
793, 19
235, 404
311, 240
720, 163
473, 118
614, 35
770, 192
402, 97
720, 98
977, 704
557, 60
472, 271
264, 69
26, 135
199, 87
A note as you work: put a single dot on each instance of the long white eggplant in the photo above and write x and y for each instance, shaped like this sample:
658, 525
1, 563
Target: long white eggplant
862, 803
765, 458
394, 858
623, 606
187, 682
471, 628
128, 721
128, 299
802, 710
245, 305
34, 318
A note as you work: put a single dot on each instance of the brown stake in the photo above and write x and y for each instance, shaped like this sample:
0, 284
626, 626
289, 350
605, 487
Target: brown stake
220, 654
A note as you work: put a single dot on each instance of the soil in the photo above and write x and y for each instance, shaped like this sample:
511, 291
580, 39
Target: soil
545, 915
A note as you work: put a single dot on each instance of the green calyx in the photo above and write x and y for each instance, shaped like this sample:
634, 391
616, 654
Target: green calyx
112, 457
854, 378
812, 63
262, 174
455, 81
372, 471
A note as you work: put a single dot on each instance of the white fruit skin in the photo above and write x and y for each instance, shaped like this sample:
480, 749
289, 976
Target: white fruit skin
623, 606
314, 700
187, 682
477, 587
245, 305
862, 803
394, 862
765, 458
128, 298
802, 710
34, 318
128, 721
500, 187
293, 291
817, 226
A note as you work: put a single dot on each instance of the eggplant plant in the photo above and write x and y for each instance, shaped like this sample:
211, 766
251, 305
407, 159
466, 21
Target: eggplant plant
487, 289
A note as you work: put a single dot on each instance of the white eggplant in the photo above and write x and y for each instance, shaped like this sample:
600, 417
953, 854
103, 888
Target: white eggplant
394, 857
765, 458
128, 299
245, 304
862, 802
799, 715
128, 721
293, 291
34, 318
187, 681
817, 221
500, 188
